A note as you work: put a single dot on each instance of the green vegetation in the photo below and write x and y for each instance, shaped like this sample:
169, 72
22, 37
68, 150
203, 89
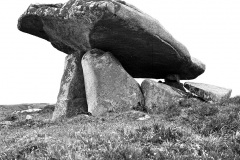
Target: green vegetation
187, 130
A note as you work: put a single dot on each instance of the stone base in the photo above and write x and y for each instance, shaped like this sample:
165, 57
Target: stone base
173, 80
109, 88
72, 97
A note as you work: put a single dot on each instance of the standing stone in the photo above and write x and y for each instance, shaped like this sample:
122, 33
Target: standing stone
173, 80
208, 92
109, 88
158, 96
71, 99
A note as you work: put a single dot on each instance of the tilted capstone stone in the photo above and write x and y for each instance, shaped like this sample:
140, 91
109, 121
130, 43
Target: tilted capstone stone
71, 99
109, 88
208, 92
143, 47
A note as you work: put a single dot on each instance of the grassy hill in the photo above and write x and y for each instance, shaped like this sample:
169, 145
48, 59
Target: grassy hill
190, 129
8, 109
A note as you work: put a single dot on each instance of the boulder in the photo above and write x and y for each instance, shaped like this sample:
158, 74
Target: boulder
159, 96
208, 92
141, 44
109, 88
71, 99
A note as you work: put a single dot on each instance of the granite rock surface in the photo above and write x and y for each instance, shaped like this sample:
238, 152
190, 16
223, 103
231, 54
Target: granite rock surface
109, 88
159, 96
71, 99
208, 92
141, 44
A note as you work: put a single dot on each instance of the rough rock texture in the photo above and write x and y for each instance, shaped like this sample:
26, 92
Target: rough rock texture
71, 99
208, 92
109, 88
173, 80
143, 47
158, 95
176, 85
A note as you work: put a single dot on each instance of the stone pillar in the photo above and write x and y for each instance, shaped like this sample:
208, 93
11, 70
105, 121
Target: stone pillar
109, 88
71, 99
173, 80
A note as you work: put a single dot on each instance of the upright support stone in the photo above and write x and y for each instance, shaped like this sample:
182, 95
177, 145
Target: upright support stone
173, 80
71, 99
109, 88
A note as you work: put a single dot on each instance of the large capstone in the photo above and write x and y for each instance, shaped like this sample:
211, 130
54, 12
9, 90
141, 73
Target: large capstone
159, 96
208, 92
109, 88
71, 99
143, 47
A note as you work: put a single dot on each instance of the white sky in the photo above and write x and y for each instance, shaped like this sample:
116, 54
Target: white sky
31, 69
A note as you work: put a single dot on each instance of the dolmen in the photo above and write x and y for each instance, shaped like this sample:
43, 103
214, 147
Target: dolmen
108, 43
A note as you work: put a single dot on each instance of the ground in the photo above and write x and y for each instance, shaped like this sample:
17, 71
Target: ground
189, 129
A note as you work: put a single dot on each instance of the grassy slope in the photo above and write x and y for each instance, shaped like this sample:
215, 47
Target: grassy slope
188, 130
8, 109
